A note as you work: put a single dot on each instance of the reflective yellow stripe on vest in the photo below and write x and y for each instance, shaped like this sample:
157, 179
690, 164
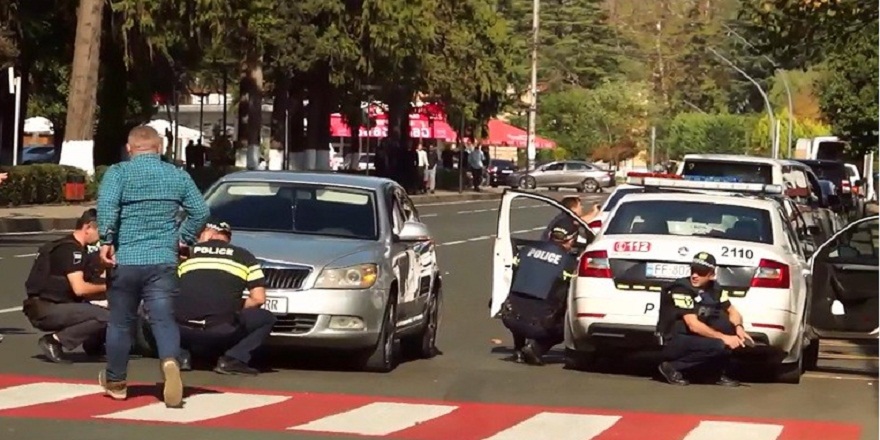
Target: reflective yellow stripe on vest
683, 301
208, 263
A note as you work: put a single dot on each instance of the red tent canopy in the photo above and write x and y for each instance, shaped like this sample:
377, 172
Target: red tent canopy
421, 127
502, 133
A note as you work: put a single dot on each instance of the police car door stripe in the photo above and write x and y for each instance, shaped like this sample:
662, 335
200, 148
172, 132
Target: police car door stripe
198, 408
558, 426
734, 431
382, 418
43, 392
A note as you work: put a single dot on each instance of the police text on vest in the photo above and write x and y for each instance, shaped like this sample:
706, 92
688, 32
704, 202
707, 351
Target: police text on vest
550, 257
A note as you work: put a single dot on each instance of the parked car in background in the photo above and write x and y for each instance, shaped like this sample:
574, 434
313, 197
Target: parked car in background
499, 170
583, 176
836, 172
37, 154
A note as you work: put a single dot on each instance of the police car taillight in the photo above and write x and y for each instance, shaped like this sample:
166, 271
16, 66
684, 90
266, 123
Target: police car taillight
772, 275
846, 187
594, 264
595, 224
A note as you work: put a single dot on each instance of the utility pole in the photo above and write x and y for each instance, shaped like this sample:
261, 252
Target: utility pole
533, 89
774, 140
653, 144
785, 83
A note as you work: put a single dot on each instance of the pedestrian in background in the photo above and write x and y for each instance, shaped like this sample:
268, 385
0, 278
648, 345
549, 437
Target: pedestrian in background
138, 206
475, 162
431, 177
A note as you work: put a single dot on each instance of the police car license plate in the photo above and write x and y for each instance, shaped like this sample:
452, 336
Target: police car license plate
276, 305
667, 270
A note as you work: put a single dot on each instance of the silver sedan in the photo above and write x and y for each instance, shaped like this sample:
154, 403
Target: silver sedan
580, 175
348, 264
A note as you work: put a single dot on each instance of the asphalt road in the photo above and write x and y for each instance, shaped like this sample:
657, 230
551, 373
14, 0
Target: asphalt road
470, 372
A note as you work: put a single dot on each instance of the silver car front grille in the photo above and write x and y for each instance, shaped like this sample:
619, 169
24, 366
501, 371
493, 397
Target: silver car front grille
295, 323
285, 278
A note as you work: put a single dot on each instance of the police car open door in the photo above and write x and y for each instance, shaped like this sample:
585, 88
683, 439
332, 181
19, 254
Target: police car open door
845, 283
507, 241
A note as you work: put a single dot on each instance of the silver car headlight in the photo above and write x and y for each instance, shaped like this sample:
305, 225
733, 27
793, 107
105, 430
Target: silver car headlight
362, 276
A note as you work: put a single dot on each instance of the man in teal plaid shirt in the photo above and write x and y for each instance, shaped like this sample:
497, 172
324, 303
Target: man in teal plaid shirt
138, 204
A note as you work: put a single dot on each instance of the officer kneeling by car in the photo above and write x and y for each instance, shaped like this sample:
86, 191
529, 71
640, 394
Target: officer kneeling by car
212, 315
60, 285
699, 326
535, 308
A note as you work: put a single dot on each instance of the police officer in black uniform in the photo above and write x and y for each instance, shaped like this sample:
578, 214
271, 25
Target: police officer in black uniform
699, 326
61, 282
210, 310
535, 308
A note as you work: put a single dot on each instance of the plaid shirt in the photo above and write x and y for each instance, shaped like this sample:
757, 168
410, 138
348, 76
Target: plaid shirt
138, 204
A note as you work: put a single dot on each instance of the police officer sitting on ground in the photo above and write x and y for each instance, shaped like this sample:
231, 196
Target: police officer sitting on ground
535, 308
699, 325
210, 310
59, 287
573, 203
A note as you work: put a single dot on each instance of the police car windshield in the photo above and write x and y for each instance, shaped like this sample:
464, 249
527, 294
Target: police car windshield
728, 171
296, 208
695, 219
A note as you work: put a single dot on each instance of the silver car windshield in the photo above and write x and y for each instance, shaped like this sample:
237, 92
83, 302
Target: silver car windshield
296, 208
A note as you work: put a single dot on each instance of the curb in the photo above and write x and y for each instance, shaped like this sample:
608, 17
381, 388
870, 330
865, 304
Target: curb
24, 225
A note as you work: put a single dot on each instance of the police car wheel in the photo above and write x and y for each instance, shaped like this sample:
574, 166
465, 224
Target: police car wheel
790, 372
383, 358
423, 345
580, 360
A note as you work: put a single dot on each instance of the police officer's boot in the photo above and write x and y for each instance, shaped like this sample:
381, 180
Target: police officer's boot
726, 381
228, 365
672, 375
52, 349
532, 354
185, 360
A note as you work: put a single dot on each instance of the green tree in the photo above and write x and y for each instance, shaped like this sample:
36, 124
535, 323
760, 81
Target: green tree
848, 93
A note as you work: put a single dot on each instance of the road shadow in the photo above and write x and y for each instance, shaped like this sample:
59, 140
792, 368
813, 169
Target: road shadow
553, 357
15, 331
156, 391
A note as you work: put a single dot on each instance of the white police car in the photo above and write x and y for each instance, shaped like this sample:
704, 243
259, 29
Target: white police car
649, 240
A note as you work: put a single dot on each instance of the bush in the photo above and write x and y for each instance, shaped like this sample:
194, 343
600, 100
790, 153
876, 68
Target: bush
36, 184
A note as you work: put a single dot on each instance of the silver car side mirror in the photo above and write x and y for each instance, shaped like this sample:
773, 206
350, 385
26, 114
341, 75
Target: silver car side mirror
414, 231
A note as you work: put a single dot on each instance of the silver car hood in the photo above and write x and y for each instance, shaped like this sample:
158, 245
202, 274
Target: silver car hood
311, 250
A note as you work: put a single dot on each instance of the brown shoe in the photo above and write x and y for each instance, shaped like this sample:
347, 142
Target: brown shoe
173, 392
116, 390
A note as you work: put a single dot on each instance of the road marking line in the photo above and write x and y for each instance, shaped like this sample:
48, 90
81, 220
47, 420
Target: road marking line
428, 215
558, 426
43, 392
10, 310
22, 234
489, 237
25, 255
734, 431
381, 418
197, 408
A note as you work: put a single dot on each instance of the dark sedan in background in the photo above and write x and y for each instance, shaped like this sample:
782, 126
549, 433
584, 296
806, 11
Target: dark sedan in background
499, 170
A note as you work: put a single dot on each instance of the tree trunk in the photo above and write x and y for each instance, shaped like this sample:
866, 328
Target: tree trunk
280, 107
317, 154
80, 126
250, 111
113, 94
297, 115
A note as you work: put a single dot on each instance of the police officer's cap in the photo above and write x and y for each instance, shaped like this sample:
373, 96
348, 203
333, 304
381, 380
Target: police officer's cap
704, 261
564, 230
219, 226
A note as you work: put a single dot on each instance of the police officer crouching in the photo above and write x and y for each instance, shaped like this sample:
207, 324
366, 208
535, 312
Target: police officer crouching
535, 308
212, 316
699, 325
61, 282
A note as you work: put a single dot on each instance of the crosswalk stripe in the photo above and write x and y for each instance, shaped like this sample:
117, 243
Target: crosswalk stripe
43, 392
558, 426
381, 418
734, 431
198, 408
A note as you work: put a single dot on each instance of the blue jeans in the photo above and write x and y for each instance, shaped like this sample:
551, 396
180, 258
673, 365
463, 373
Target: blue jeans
156, 286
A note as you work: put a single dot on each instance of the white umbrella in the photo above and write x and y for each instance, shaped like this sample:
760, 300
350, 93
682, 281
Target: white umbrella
38, 125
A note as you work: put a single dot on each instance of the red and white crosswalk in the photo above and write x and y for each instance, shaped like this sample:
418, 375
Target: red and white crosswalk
372, 416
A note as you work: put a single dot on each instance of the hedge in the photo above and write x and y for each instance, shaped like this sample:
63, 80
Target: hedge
42, 184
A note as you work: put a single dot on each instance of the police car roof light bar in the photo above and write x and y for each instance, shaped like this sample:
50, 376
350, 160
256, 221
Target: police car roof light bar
637, 178
712, 186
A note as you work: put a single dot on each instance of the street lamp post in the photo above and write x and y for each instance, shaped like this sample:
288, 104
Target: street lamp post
785, 83
774, 141
533, 88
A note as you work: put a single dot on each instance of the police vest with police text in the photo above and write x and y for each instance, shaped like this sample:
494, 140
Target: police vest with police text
540, 267
41, 283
